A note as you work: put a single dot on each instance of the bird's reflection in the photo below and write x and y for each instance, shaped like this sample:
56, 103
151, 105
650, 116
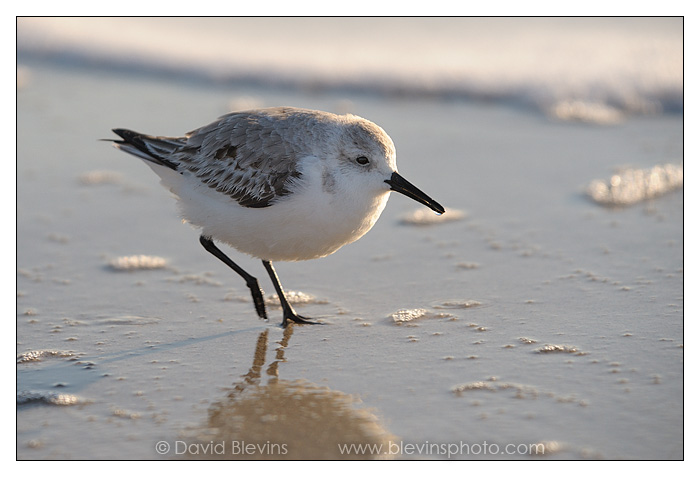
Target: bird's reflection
275, 418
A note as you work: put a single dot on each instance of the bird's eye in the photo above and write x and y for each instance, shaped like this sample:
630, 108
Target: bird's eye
362, 160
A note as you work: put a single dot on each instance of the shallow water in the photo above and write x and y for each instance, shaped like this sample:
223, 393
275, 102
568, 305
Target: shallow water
595, 70
546, 318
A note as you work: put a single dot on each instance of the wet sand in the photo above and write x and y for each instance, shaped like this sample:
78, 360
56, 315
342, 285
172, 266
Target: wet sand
536, 316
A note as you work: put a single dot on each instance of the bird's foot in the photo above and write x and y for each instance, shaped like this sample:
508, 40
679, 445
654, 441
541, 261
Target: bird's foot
297, 319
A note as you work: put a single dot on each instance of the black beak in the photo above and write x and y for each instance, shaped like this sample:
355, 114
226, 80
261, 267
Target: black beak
401, 185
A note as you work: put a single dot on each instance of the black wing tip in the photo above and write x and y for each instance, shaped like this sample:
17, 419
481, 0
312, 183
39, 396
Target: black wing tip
127, 134
136, 144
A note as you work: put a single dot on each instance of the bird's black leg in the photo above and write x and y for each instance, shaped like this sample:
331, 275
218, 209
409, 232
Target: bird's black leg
250, 280
289, 313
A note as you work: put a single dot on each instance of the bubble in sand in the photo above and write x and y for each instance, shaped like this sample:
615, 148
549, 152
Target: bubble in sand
295, 298
517, 390
403, 316
137, 262
409, 315
521, 391
527, 340
559, 349
425, 216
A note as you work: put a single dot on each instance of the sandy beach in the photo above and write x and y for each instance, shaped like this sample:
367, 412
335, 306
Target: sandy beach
532, 323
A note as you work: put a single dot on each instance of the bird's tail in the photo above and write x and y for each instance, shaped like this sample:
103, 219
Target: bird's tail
156, 149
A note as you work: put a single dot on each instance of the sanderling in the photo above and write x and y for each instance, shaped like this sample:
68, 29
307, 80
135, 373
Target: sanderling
278, 184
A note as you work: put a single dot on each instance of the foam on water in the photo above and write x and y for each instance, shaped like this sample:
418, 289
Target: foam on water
137, 262
126, 320
425, 216
630, 186
295, 298
586, 111
414, 314
517, 390
584, 69
40, 355
559, 349
57, 399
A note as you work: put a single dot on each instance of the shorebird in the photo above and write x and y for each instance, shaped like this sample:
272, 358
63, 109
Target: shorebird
278, 184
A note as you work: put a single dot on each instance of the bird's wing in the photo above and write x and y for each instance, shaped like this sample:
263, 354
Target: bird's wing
244, 156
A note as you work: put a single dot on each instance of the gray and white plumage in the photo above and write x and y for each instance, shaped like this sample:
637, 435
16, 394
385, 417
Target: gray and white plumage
278, 183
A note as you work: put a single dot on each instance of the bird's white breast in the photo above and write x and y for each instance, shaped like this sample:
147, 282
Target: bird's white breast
311, 222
